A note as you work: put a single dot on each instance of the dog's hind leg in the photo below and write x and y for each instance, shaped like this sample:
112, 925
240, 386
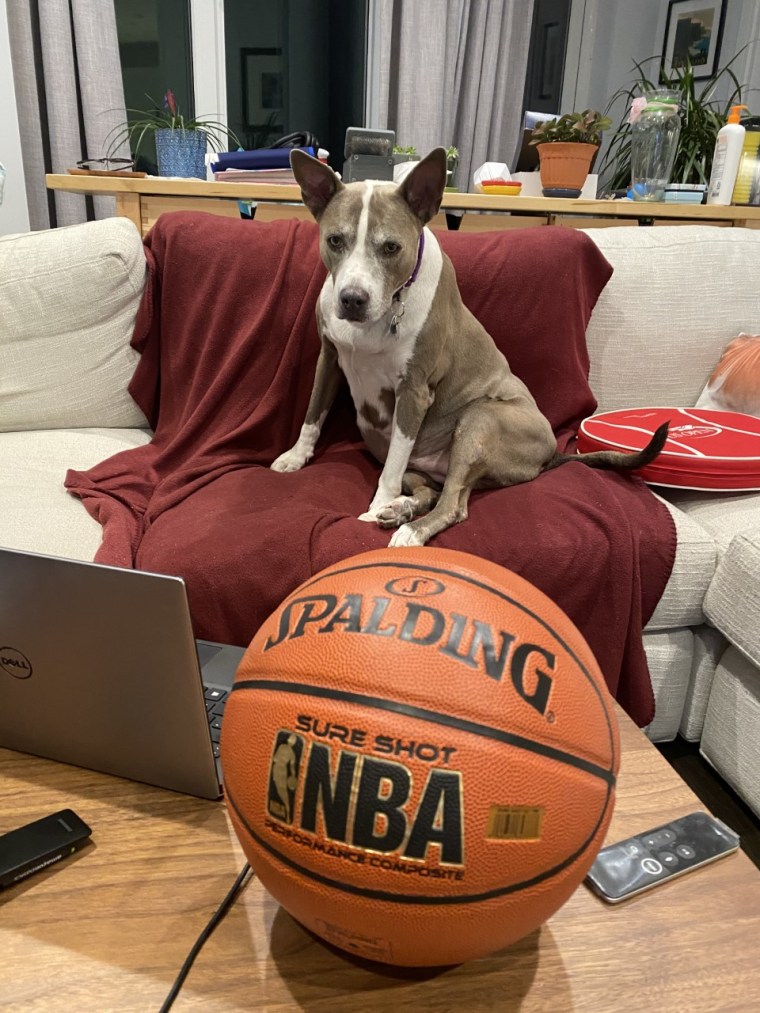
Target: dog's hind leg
450, 509
495, 443
419, 496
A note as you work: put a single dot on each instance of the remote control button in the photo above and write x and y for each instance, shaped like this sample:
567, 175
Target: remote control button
633, 848
659, 839
685, 851
668, 859
652, 866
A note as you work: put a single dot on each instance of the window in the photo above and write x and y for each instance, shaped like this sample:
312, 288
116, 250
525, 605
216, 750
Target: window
154, 46
288, 65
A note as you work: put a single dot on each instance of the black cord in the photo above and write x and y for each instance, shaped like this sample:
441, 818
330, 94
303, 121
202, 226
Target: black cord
299, 139
243, 876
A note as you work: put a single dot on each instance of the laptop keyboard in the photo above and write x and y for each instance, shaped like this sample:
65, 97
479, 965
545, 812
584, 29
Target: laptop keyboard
216, 698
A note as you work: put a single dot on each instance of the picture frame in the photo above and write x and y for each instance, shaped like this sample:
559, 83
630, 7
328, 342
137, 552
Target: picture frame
694, 29
263, 83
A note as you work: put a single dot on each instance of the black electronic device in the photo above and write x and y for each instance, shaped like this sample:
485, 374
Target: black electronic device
37, 845
368, 154
656, 856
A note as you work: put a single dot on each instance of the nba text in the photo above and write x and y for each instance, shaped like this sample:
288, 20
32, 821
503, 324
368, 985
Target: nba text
365, 803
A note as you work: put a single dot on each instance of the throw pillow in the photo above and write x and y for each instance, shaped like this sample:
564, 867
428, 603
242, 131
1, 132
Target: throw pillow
734, 384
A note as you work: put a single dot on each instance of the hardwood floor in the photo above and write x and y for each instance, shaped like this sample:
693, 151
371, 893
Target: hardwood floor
719, 797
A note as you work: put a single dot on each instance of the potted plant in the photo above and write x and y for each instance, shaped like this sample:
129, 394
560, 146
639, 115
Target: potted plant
452, 161
401, 154
702, 116
181, 141
566, 146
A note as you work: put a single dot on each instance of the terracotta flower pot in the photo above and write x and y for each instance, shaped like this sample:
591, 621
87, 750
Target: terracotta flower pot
564, 166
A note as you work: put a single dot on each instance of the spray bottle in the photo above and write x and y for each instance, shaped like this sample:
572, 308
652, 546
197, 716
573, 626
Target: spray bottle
726, 157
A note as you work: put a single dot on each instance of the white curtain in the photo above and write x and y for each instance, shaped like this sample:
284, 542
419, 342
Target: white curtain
450, 72
69, 93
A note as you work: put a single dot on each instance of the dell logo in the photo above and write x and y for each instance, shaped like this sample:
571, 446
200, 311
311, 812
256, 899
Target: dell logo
15, 663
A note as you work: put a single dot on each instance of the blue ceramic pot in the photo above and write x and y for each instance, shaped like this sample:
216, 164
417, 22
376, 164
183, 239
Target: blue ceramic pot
181, 152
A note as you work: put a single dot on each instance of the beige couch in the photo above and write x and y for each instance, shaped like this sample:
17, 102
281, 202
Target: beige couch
68, 300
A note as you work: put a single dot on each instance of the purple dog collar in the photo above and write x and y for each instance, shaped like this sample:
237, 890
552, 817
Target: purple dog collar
413, 276
410, 281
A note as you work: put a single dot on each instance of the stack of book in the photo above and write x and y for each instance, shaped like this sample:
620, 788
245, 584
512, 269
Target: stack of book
255, 176
262, 165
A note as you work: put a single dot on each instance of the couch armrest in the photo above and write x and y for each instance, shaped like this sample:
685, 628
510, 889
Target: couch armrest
68, 302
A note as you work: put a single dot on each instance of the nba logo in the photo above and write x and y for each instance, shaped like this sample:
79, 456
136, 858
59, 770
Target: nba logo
284, 770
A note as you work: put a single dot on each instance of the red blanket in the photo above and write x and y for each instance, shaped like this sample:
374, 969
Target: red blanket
228, 349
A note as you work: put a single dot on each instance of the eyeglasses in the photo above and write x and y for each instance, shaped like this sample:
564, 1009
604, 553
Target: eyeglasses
106, 163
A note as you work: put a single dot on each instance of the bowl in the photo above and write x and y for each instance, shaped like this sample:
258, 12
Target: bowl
509, 187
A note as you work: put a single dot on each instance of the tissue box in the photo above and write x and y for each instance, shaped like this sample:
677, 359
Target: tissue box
531, 184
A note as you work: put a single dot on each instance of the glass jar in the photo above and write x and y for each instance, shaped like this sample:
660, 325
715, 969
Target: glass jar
654, 143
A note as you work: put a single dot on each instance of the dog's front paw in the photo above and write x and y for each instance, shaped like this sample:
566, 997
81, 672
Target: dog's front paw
370, 516
396, 512
383, 501
291, 460
390, 515
406, 535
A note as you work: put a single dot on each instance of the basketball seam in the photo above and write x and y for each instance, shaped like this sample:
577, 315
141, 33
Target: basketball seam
433, 717
491, 590
410, 898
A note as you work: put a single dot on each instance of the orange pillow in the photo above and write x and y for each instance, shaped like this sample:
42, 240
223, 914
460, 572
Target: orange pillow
734, 384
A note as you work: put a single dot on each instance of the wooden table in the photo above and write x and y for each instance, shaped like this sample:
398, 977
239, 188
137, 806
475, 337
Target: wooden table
108, 929
143, 200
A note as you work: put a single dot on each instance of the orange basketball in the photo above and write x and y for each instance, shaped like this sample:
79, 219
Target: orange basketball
419, 756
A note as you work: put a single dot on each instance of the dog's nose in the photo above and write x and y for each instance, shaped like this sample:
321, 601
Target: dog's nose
353, 302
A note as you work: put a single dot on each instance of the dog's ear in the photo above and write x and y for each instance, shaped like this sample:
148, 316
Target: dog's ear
318, 182
422, 188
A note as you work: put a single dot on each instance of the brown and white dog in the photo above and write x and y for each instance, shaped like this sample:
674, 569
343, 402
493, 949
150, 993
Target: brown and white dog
436, 401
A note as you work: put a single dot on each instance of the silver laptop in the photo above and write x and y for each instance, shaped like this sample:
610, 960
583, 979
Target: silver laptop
99, 667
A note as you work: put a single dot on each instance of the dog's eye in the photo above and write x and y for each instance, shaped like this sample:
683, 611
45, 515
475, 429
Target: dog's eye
390, 247
335, 242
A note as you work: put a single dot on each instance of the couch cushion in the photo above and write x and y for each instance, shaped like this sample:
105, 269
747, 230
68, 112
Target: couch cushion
709, 646
732, 602
667, 294
68, 302
36, 512
723, 515
731, 735
693, 569
669, 656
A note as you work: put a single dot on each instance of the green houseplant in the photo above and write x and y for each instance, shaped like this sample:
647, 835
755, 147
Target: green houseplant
452, 162
702, 116
405, 154
566, 146
181, 141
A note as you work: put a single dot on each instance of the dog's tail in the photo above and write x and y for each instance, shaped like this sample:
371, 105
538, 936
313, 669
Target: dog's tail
616, 458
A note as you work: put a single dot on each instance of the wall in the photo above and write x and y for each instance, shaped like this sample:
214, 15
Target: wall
14, 216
